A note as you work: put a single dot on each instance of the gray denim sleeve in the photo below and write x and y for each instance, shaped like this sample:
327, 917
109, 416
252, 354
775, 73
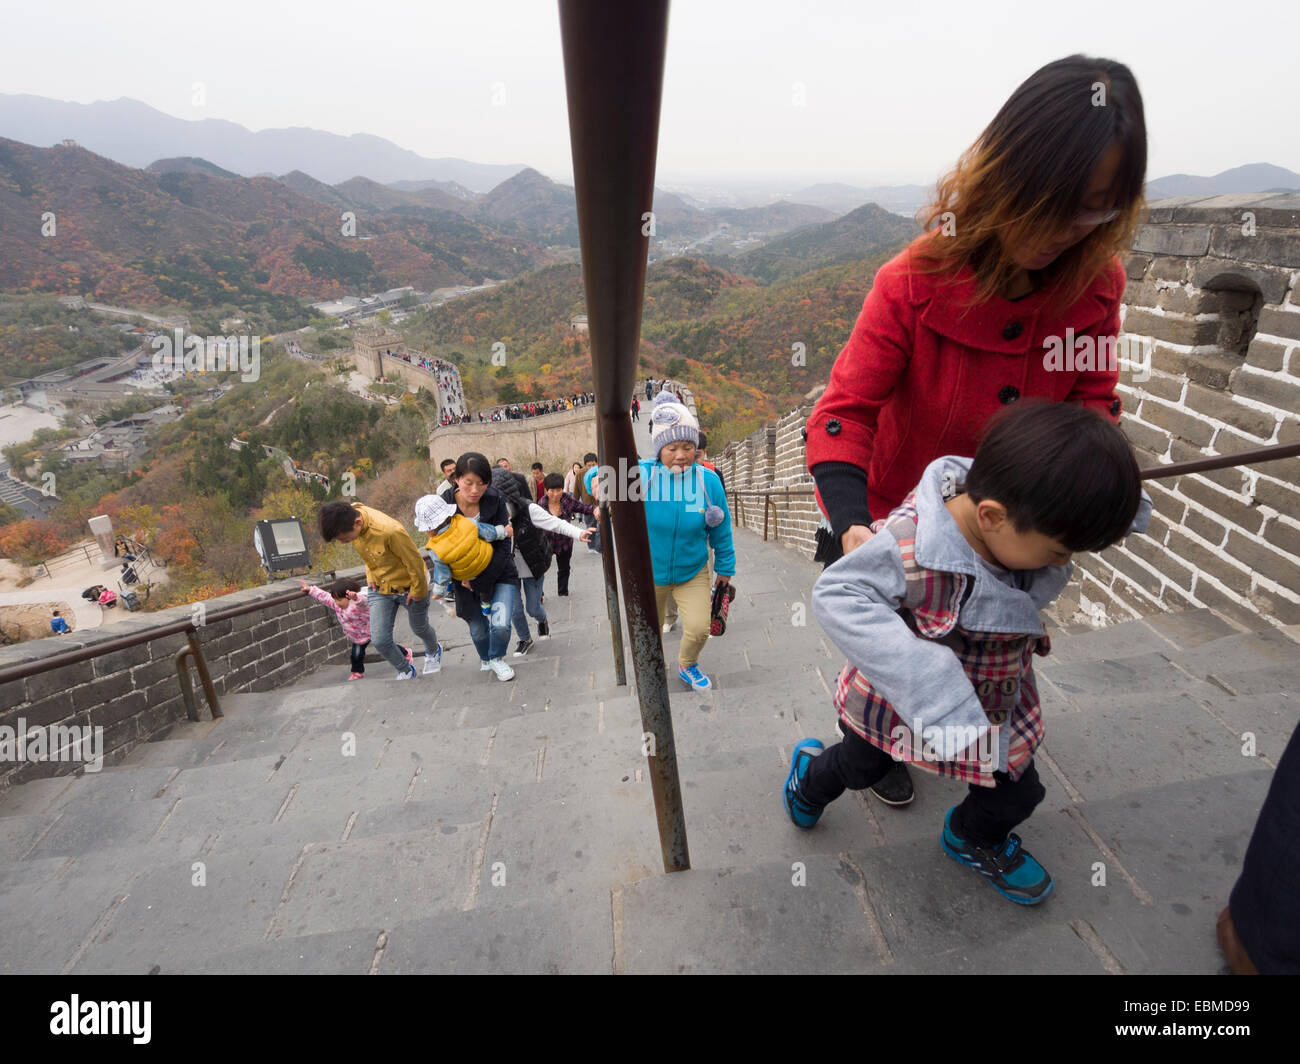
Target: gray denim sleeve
855, 601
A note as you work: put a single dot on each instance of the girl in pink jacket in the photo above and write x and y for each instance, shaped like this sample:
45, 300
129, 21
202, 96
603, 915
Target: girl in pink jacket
347, 598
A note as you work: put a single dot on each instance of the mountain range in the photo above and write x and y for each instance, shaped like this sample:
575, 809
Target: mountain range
135, 134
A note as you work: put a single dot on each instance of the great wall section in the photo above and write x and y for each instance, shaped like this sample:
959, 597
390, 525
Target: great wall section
1219, 311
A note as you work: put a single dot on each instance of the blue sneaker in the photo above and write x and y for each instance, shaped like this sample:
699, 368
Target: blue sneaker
695, 678
802, 813
1012, 871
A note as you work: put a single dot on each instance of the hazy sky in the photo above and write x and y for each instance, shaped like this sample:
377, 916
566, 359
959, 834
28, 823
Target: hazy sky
889, 96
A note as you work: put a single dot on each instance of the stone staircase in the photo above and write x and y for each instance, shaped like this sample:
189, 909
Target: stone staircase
458, 824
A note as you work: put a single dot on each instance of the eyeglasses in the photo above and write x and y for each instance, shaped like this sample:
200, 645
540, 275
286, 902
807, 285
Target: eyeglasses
1092, 219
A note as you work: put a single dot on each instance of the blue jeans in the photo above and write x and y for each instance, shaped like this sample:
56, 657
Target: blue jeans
383, 612
491, 634
532, 596
593, 544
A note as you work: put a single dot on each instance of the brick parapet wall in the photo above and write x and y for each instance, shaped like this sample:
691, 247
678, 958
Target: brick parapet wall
134, 694
1210, 364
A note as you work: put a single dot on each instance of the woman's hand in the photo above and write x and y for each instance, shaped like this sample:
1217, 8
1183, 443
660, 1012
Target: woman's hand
595, 512
854, 536
723, 579
587, 533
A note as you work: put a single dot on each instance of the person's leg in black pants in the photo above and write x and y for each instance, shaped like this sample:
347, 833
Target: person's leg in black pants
563, 559
1264, 905
851, 764
989, 814
359, 657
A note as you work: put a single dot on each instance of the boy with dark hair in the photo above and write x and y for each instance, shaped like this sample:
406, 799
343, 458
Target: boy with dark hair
938, 614
396, 576
539, 482
587, 493
448, 467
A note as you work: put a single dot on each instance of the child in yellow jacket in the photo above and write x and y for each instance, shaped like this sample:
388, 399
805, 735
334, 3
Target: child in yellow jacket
460, 546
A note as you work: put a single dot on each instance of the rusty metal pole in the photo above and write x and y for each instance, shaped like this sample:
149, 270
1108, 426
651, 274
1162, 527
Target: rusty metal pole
613, 73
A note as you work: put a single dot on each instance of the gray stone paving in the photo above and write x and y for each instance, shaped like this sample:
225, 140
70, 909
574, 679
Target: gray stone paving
457, 824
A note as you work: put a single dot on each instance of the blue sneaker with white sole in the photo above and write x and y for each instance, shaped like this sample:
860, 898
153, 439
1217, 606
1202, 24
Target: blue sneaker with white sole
802, 813
1010, 868
695, 678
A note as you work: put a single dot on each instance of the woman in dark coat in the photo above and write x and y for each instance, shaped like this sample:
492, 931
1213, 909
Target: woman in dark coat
1014, 292
475, 498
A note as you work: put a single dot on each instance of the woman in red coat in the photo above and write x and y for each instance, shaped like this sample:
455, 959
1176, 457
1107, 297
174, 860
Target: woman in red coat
1012, 292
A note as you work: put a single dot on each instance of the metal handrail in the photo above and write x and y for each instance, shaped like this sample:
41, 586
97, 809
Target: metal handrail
194, 650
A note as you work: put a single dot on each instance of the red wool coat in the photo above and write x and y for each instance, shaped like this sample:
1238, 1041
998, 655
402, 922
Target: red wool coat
917, 380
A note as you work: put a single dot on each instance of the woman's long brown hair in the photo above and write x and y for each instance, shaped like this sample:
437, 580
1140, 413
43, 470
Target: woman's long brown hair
1027, 175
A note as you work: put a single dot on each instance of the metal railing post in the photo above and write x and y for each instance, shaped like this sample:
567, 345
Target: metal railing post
613, 74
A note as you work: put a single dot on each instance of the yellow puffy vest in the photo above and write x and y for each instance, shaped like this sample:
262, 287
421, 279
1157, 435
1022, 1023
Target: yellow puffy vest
461, 549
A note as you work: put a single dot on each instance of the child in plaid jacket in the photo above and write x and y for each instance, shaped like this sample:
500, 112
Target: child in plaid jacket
938, 614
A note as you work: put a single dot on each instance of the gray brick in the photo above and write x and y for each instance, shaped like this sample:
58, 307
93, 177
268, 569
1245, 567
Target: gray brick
1283, 323
48, 710
1173, 239
1208, 560
1169, 269
1285, 498
1211, 596
1282, 393
1264, 354
1285, 538
1136, 265
101, 691
1208, 528
120, 708
1277, 567
1157, 556
120, 660
1272, 248
145, 675
1233, 509
1140, 322
62, 679
1164, 504
1276, 606
1181, 424
1144, 436
1170, 388
1212, 370
1131, 570
1221, 407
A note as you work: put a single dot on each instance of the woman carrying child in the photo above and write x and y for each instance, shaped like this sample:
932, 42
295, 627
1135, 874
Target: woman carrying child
1021, 260
498, 583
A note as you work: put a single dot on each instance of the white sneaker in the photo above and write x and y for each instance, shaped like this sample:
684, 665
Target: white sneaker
409, 674
503, 671
433, 662
484, 666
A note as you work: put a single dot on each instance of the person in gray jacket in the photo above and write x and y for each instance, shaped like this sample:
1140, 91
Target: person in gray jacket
939, 619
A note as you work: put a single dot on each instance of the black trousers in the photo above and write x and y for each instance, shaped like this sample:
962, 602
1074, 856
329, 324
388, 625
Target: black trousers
563, 559
986, 815
359, 655
1265, 903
